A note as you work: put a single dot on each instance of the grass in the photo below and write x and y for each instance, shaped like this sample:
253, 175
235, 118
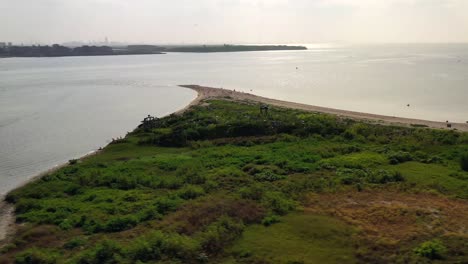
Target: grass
202, 187
298, 238
435, 177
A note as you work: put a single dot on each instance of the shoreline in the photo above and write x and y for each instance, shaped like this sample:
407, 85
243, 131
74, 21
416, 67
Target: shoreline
211, 93
7, 216
7, 212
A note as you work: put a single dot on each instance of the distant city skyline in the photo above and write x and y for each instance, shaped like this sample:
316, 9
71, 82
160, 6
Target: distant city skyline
233, 21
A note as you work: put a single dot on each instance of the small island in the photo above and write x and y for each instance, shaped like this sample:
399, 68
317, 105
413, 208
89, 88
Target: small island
237, 178
231, 48
63, 51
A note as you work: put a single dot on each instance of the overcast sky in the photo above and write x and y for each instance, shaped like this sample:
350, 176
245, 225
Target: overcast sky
234, 21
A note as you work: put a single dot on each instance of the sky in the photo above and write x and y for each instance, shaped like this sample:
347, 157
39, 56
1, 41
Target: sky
234, 21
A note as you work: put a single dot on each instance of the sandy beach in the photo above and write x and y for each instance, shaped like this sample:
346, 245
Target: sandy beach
212, 93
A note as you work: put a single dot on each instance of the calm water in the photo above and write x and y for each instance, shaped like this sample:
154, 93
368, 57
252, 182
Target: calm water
54, 109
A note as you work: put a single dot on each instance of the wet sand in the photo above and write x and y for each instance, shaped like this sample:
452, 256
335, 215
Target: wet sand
212, 93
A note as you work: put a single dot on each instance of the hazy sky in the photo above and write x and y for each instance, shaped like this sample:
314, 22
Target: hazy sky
234, 21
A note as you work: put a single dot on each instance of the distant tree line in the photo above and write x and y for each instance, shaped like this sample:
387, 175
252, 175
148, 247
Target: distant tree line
232, 48
55, 51
61, 51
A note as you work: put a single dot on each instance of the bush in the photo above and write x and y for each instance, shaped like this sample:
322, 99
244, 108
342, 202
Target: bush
73, 189
399, 157
66, 224
268, 175
36, 256
191, 174
385, 176
105, 252
254, 192
167, 204
117, 224
269, 220
74, 243
157, 245
220, 234
278, 203
464, 162
191, 192
26, 205
433, 249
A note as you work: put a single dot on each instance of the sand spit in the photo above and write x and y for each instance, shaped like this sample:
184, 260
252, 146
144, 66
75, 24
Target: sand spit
212, 93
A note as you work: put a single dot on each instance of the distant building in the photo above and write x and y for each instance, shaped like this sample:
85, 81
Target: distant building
2, 45
10, 44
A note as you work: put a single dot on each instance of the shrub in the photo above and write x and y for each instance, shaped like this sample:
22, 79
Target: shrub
73, 189
254, 192
433, 249
25, 205
191, 174
464, 162
157, 245
399, 157
149, 214
269, 220
66, 224
167, 204
117, 224
36, 256
191, 192
220, 234
385, 176
268, 175
278, 203
107, 251
74, 243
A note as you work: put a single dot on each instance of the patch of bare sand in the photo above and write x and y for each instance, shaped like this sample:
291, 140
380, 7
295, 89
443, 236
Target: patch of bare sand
213, 93
7, 220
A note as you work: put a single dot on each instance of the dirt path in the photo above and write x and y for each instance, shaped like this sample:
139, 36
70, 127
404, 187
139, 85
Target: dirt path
208, 92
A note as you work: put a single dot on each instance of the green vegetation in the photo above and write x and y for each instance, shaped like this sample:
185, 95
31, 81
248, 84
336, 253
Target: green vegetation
224, 183
433, 249
299, 238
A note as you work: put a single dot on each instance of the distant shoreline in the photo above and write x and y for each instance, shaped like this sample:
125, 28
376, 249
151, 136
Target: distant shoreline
97, 55
86, 51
